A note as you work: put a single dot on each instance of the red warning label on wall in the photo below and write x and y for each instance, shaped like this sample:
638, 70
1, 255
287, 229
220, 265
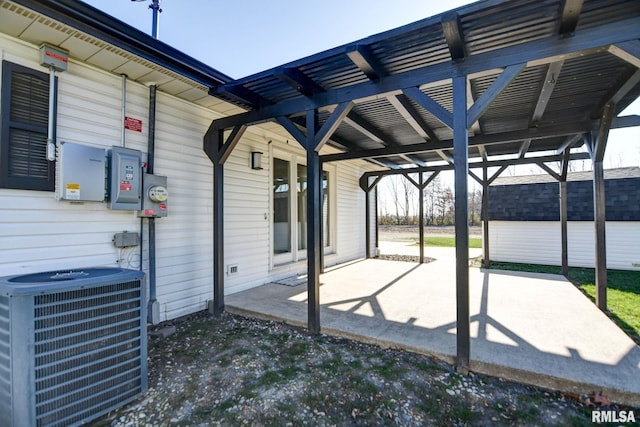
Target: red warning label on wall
132, 124
125, 186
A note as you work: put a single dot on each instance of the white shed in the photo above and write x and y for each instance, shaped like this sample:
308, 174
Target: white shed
524, 223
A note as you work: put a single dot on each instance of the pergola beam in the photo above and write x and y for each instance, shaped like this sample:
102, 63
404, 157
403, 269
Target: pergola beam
502, 164
548, 170
426, 102
628, 51
299, 81
569, 16
293, 129
550, 81
332, 123
524, 147
231, 142
497, 87
362, 57
453, 35
402, 104
242, 95
501, 138
367, 129
536, 52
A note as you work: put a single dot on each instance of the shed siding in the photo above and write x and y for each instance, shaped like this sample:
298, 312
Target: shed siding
538, 242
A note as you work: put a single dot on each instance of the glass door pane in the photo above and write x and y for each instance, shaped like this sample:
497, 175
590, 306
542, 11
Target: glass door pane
326, 213
281, 207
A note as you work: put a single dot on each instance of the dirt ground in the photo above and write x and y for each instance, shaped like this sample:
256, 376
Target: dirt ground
233, 371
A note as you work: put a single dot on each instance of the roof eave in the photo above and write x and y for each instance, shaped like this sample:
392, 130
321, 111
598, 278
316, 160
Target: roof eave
96, 23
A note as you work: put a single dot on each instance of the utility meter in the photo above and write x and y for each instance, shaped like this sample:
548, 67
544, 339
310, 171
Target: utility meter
158, 194
154, 196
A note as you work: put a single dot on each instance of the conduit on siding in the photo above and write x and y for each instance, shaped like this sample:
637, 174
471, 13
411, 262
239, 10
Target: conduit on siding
154, 311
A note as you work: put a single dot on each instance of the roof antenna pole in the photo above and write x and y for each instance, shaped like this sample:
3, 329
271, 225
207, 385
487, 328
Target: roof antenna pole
155, 7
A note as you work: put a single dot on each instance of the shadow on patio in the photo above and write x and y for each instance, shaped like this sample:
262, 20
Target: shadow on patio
533, 328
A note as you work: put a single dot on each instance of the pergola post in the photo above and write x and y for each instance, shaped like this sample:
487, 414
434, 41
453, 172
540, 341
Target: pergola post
599, 215
600, 225
314, 212
421, 214
367, 220
564, 233
460, 156
218, 241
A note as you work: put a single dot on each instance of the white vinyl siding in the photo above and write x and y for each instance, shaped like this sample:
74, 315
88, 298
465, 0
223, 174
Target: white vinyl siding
538, 242
248, 212
38, 233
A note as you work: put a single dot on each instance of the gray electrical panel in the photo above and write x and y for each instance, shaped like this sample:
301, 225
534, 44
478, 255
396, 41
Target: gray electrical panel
154, 196
81, 171
126, 179
126, 239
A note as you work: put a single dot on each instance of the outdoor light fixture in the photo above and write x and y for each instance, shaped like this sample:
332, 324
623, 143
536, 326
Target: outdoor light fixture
256, 160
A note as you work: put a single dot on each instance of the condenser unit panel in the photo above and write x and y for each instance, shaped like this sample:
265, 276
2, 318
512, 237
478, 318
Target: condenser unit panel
73, 345
126, 179
81, 173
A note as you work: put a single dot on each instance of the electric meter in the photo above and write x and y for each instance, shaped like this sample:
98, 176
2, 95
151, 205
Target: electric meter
158, 194
155, 196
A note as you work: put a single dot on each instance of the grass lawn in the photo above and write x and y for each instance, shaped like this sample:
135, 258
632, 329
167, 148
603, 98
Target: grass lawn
450, 242
623, 291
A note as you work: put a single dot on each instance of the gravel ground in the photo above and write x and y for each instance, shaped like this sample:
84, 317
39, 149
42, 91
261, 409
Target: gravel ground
230, 370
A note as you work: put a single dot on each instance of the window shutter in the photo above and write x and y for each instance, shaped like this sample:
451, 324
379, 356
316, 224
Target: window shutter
25, 106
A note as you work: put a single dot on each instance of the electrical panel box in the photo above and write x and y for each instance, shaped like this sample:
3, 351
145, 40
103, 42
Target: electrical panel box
126, 239
154, 196
81, 172
126, 179
55, 57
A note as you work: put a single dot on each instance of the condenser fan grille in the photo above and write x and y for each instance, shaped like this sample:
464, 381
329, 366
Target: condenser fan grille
86, 352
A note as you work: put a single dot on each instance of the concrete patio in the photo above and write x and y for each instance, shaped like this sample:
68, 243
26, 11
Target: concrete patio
533, 328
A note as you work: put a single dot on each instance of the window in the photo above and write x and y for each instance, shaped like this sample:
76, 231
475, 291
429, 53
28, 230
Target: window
290, 209
25, 119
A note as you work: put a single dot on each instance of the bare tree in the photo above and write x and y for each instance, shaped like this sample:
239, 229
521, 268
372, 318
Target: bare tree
408, 193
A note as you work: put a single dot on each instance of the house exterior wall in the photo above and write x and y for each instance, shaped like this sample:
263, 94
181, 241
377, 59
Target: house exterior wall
38, 233
538, 242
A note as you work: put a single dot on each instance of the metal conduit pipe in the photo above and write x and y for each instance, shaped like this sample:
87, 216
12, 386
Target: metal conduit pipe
51, 144
124, 108
154, 307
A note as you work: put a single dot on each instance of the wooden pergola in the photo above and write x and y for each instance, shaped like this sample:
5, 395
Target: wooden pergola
492, 84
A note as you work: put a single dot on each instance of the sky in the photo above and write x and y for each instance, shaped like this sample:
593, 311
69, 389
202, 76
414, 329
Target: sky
243, 37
